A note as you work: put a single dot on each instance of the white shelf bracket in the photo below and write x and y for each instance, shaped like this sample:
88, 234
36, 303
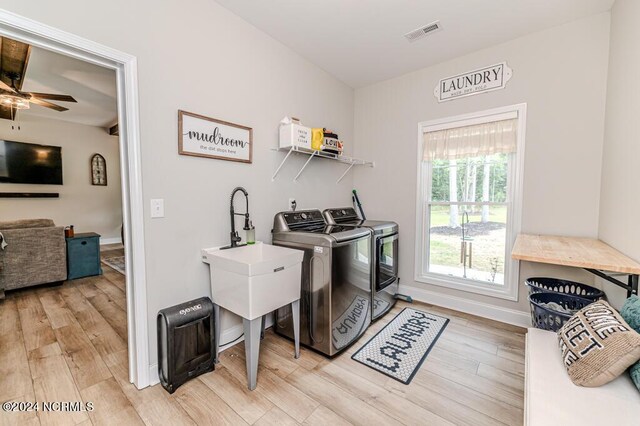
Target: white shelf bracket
350, 162
345, 172
281, 164
295, 179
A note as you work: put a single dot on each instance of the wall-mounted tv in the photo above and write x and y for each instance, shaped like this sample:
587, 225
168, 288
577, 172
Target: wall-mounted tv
30, 163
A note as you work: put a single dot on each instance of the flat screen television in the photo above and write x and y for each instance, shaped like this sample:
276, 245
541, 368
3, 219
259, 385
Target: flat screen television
30, 163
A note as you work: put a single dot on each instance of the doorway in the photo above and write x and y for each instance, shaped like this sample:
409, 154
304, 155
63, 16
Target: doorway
35, 34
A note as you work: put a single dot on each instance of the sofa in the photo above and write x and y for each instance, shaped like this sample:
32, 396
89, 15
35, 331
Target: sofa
551, 399
35, 253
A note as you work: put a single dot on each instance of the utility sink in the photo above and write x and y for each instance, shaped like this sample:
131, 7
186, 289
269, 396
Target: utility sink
254, 280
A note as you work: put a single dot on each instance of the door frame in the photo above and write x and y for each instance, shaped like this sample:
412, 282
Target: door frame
29, 31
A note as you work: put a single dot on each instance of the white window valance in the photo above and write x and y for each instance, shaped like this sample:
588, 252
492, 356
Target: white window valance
471, 141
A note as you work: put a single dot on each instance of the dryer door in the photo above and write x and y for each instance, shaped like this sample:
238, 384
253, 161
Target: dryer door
386, 261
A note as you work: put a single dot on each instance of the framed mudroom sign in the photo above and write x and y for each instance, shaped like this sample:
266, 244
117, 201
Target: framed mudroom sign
201, 136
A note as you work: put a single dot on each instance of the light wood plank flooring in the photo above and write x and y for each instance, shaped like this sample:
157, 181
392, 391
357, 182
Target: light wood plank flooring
68, 343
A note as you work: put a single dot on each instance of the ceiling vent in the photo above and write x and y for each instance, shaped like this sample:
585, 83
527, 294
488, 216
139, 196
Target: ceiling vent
423, 31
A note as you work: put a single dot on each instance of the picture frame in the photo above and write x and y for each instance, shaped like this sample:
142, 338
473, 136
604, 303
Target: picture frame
98, 170
202, 136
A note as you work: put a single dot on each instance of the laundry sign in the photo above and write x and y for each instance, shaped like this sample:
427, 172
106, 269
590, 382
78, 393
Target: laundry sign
488, 79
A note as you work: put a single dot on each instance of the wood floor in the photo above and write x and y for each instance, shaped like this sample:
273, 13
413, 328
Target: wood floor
68, 343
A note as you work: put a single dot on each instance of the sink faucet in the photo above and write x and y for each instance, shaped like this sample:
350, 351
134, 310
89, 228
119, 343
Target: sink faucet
235, 238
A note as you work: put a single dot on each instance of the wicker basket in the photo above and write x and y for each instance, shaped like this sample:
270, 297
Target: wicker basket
555, 285
546, 318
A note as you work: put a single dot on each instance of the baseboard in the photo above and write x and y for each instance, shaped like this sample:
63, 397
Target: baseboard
481, 309
227, 336
154, 378
115, 240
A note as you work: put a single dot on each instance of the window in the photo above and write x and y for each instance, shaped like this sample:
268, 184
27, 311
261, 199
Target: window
469, 200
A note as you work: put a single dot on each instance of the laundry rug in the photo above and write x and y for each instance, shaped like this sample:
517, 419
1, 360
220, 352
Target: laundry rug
400, 348
116, 262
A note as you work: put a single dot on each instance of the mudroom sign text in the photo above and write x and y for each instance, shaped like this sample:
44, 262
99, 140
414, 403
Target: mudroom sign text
471, 83
202, 136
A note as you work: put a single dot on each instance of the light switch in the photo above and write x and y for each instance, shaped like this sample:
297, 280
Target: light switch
157, 207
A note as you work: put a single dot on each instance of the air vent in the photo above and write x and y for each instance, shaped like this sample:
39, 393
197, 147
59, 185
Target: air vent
423, 31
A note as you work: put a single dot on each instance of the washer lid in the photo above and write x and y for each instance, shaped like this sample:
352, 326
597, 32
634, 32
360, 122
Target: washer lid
377, 226
346, 233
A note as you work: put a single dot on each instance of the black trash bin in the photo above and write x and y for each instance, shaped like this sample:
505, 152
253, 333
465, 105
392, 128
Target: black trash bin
186, 334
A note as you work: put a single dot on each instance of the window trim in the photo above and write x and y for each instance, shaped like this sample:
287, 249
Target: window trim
509, 290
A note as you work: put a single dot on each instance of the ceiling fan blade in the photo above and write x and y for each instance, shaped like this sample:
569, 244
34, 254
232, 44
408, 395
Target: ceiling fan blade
14, 57
53, 97
6, 87
48, 104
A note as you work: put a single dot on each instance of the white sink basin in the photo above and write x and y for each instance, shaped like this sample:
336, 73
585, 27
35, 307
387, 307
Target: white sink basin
250, 260
254, 280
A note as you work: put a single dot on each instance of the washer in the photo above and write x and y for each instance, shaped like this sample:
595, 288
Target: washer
335, 308
384, 246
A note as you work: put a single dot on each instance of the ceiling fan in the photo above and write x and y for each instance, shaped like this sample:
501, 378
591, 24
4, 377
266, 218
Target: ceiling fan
12, 97
14, 57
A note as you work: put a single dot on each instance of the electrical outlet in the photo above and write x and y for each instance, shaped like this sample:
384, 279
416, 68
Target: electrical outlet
157, 207
292, 204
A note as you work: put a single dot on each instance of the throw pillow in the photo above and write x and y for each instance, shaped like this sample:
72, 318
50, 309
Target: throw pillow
631, 314
597, 345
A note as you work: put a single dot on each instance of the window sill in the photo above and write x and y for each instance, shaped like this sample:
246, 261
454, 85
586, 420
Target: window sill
492, 290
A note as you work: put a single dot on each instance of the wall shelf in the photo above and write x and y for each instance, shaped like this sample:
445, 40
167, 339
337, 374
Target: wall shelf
29, 195
349, 161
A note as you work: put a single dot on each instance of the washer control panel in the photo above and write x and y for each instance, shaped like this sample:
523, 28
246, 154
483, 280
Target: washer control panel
305, 216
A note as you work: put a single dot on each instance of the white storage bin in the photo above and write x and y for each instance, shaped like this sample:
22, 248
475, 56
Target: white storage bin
295, 135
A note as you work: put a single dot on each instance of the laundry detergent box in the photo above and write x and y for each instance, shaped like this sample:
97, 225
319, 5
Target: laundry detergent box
293, 133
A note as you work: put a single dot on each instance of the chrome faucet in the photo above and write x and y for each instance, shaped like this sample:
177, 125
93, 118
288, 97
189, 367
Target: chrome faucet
235, 238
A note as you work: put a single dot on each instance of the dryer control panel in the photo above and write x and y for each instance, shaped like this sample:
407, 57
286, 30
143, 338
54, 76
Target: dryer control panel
342, 215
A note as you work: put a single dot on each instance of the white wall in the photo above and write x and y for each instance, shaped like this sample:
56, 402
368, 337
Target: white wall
199, 57
89, 208
561, 74
619, 200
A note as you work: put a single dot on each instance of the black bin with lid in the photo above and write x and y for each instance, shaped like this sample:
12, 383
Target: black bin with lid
186, 334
